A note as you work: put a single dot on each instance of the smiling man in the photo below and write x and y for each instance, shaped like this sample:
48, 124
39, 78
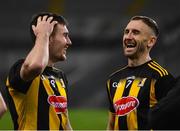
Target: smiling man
140, 84
37, 91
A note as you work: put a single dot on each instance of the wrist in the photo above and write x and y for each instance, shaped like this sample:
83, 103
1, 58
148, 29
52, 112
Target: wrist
43, 36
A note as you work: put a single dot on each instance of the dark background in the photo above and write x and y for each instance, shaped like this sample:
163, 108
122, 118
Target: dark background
96, 32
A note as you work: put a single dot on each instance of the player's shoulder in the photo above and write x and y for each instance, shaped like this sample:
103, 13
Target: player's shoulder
57, 70
18, 62
117, 71
16, 65
157, 69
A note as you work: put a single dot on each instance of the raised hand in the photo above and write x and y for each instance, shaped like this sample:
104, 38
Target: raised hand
44, 26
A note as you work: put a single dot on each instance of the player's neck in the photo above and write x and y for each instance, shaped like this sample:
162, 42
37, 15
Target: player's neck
50, 63
138, 61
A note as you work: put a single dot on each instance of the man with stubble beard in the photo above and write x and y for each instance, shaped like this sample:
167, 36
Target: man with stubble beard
36, 90
135, 88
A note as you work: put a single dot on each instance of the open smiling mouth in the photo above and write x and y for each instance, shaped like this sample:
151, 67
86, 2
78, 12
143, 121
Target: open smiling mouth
65, 49
130, 44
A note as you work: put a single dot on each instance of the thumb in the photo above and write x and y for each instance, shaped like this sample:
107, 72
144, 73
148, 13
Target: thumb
33, 27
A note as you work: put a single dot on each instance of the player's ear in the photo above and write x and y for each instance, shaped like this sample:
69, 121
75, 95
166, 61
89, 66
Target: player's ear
152, 41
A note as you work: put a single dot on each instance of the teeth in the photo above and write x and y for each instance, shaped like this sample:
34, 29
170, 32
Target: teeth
130, 43
130, 46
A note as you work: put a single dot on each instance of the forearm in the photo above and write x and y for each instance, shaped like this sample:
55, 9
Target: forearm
39, 55
111, 121
110, 126
68, 124
37, 59
3, 107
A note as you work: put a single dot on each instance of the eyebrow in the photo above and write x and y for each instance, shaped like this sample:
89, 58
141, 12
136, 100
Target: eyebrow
132, 30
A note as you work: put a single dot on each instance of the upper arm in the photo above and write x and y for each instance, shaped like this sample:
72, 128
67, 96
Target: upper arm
15, 80
163, 85
28, 72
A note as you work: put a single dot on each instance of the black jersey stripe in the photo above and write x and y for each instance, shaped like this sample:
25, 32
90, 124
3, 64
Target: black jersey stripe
60, 126
109, 96
122, 119
43, 109
12, 107
127, 87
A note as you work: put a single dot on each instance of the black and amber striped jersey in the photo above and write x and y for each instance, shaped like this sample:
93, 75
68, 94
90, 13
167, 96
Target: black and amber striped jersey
40, 104
132, 91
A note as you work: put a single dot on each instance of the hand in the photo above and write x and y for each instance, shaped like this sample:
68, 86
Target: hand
44, 26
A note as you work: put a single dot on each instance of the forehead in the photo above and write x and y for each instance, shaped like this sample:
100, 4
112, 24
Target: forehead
60, 28
137, 25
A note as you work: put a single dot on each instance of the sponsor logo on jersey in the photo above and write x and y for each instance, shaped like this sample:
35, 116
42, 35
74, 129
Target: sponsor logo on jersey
58, 102
125, 105
114, 84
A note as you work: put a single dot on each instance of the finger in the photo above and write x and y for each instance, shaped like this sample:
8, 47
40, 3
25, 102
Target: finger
54, 23
39, 19
49, 19
33, 28
44, 18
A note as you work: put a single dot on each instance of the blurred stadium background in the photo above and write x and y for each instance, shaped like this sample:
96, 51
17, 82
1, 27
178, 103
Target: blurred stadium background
96, 30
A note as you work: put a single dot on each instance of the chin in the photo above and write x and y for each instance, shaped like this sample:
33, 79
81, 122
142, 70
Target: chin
63, 58
129, 55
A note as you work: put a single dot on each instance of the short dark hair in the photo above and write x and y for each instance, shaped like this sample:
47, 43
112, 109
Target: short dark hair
59, 18
149, 22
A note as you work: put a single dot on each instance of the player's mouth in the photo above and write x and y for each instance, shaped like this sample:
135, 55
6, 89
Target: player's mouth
130, 44
65, 49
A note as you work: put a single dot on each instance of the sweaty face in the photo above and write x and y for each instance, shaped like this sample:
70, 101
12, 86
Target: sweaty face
59, 43
135, 39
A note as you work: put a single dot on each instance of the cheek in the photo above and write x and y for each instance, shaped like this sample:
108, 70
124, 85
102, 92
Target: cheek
58, 43
141, 47
60, 47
